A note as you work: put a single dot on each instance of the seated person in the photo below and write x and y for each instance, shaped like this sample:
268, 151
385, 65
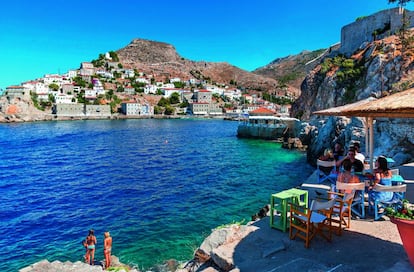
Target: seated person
357, 165
338, 151
327, 156
346, 176
358, 154
382, 176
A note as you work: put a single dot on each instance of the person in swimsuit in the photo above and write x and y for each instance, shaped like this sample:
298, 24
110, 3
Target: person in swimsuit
107, 249
90, 242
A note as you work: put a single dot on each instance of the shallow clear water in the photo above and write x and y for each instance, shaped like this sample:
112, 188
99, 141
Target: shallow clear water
159, 186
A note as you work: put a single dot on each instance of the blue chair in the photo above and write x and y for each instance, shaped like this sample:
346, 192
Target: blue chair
326, 171
376, 204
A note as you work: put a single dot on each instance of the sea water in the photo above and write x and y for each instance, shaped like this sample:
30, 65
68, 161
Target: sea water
158, 186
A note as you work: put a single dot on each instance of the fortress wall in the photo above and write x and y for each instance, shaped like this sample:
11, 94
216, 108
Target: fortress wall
354, 34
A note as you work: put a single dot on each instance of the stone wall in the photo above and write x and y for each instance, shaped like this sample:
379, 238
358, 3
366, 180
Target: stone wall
355, 34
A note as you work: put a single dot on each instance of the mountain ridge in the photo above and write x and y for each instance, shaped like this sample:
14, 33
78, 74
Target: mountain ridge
154, 57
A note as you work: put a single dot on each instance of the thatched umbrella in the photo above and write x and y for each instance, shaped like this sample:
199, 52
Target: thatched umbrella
398, 105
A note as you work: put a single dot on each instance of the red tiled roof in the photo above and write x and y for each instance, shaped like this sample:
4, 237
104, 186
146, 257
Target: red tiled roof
262, 111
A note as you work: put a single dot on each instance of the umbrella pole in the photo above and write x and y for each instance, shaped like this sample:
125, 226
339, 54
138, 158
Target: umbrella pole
371, 142
366, 127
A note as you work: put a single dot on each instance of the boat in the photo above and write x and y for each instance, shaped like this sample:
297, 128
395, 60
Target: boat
268, 127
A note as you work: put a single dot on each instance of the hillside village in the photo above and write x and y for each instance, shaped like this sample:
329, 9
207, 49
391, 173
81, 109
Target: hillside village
104, 88
148, 78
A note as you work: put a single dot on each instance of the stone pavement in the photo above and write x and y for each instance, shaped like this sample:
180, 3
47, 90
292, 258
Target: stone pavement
368, 246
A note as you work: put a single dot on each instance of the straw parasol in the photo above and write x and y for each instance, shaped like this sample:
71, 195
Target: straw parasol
398, 105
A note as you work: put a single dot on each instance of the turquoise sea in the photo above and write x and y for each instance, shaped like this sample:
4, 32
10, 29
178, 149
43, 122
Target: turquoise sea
158, 186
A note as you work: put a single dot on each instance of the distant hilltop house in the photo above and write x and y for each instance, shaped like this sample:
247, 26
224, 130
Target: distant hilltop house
373, 27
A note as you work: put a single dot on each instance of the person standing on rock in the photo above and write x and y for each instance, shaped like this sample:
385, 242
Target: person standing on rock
107, 249
90, 242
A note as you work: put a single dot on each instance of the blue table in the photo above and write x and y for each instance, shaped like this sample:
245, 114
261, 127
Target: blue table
397, 179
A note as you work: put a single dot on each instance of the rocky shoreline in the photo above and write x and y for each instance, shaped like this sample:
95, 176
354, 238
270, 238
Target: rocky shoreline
257, 247
46, 266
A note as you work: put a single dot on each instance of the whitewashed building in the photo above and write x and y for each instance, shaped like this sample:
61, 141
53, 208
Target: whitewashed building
131, 108
150, 89
52, 79
129, 73
134, 108
169, 91
64, 99
142, 80
90, 94
72, 73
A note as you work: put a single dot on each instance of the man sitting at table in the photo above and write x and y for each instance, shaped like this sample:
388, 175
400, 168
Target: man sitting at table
346, 176
357, 165
358, 154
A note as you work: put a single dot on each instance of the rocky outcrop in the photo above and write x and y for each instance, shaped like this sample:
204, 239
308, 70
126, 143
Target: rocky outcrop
146, 51
383, 69
46, 266
20, 110
217, 250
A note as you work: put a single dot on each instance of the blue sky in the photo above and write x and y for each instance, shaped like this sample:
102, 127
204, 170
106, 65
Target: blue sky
47, 37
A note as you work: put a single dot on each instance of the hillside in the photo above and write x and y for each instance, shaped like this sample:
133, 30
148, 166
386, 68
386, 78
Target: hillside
292, 70
375, 69
162, 60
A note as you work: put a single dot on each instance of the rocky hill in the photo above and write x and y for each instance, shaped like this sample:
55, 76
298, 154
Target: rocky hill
293, 69
157, 58
377, 69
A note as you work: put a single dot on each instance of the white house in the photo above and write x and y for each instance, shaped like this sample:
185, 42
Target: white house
194, 81
129, 73
175, 79
233, 94
215, 89
72, 73
52, 78
150, 89
30, 85
65, 99
131, 108
168, 85
142, 80
129, 90
169, 91
90, 94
